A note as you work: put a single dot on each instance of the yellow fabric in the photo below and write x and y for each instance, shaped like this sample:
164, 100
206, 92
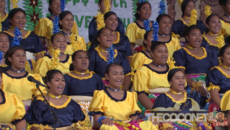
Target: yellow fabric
22, 87
43, 65
225, 28
224, 102
78, 44
145, 79
101, 102
134, 33
44, 28
144, 125
28, 67
173, 46
212, 87
12, 109
138, 60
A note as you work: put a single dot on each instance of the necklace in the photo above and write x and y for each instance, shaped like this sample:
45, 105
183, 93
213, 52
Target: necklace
61, 54
212, 34
115, 90
227, 16
20, 71
102, 50
66, 33
87, 71
57, 97
163, 35
190, 47
147, 51
226, 67
174, 92
158, 65
186, 17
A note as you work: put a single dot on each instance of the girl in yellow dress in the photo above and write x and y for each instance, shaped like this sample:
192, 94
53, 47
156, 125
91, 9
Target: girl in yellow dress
225, 19
152, 76
45, 26
68, 112
14, 80
114, 108
5, 22
12, 110
57, 59
136, 30
74, 42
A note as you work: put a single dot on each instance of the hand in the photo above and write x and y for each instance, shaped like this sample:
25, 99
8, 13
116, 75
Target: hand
38, 56
107, 121
202, 91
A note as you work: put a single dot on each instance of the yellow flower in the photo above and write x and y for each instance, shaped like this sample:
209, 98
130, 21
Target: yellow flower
107, 6
100, 21
193, 18
207, 10
180, 2
55, 59
73, 41
220, 40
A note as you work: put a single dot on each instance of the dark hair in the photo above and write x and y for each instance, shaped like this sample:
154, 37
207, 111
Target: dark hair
109, 14
172, 72
184, 4
54, 35
111, 65
50, 10
95, 42
189, 29
14, 11
223, 2
146, 36
4, 34
139, 8
159, 17
62, 15
50, 74
10, 52
71, 67
100, 1
208, 19
222, 50
155, 44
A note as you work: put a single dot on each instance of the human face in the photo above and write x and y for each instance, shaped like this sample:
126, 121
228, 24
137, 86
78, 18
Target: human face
226, 7
60, 42
190, 6
111, 22
214, 25
178, 81
18, 59
105, 38
102, 6
18, 20
149, 40
4, 43
226, 57
67, 22
2, 6
145, 11
160, 54
55, 6
81, 61
165, 25
194, 38
57, 84
115, 76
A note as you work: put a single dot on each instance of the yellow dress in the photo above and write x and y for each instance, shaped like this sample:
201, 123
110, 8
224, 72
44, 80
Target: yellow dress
11, 109
25, 89
225, 27
121, 110
139, 59
44, 64
224, 102
76, 43
173, 45
135, 33
146, 78
44, 28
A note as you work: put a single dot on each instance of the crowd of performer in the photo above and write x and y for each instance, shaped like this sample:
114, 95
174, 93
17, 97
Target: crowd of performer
110, 82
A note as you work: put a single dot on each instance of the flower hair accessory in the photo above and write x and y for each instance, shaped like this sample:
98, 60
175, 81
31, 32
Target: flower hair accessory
1, 22
17, 37
193, 18
110, 55
155, 31
55, 25
180, 2
55, 59
162, 7
140, 1
207, 11
107, 6
62, 5
146, 25
100, 21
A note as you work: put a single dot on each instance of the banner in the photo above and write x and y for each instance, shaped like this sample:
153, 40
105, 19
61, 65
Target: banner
84, 11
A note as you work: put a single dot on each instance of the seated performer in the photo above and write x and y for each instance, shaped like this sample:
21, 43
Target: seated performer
114, 108
39, 116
